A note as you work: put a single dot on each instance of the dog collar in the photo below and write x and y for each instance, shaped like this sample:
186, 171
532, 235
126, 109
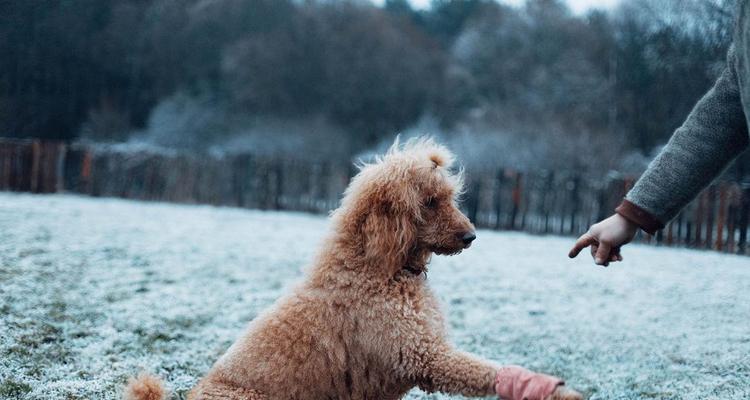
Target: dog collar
414, 271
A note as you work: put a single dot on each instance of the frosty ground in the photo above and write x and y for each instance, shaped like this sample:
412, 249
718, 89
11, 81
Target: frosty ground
94, 290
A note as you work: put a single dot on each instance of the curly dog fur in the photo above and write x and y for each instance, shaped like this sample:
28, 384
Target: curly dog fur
364, 324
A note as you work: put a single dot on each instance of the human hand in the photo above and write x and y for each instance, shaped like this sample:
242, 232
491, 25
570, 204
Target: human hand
606, 238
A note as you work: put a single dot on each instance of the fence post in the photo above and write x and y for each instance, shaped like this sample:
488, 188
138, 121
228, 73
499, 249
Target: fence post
720, 219
672, 237
710, 217
34, 173
499, 182
62, 153
699, 216
575, 200
731, 219
743, 219
239, 178
547, 207
6, 158
279, 193
603, 199
516, 196
472, 200
563, 198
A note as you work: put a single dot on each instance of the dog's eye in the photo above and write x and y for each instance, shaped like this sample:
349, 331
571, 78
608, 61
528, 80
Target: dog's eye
431, 202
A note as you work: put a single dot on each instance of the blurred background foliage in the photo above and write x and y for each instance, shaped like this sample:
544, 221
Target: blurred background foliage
529, 87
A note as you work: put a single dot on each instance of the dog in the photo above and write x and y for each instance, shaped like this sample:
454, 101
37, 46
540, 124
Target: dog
364, 323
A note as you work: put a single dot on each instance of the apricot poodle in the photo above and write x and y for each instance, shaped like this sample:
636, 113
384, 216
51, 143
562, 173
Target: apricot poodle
364, 324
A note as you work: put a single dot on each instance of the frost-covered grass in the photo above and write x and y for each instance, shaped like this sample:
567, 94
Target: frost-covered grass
94, 290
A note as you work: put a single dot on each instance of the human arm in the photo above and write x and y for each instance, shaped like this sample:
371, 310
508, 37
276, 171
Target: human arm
713, 134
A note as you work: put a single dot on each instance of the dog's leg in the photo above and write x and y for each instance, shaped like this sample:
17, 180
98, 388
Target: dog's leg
444, 369
220, 391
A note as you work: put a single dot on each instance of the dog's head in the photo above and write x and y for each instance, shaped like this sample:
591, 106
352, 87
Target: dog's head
402, 207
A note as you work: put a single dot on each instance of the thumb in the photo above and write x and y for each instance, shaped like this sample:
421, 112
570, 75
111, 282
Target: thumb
602, 253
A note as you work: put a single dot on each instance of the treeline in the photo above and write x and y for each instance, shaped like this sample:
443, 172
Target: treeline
534, 86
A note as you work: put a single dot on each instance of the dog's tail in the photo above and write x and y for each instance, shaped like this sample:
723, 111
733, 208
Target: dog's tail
145, 387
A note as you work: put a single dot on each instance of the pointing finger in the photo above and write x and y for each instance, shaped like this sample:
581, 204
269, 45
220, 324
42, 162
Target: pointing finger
584, 241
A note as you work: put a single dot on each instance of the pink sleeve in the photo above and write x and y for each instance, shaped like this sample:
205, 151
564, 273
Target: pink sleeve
516, 383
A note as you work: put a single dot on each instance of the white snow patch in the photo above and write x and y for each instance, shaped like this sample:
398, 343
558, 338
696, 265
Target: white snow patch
94, 290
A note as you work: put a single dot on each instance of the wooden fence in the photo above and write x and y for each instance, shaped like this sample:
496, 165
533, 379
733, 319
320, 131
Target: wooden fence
546, 202
566, 203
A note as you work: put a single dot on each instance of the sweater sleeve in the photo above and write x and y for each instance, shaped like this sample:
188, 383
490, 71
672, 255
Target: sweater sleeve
714, 134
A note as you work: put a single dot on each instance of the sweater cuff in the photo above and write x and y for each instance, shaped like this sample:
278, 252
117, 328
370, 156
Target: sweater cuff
639, 216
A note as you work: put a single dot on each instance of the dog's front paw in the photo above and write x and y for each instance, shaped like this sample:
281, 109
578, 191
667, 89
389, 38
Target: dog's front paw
517, 383
563, 393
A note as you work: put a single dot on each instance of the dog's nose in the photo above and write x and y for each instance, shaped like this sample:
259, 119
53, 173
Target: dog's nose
468, 237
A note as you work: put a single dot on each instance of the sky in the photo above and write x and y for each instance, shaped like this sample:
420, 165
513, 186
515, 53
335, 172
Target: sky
578, 6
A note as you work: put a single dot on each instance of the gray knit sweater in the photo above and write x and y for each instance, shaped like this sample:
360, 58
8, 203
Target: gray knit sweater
713, 134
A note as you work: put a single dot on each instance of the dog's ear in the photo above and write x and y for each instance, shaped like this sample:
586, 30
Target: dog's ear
389, 233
